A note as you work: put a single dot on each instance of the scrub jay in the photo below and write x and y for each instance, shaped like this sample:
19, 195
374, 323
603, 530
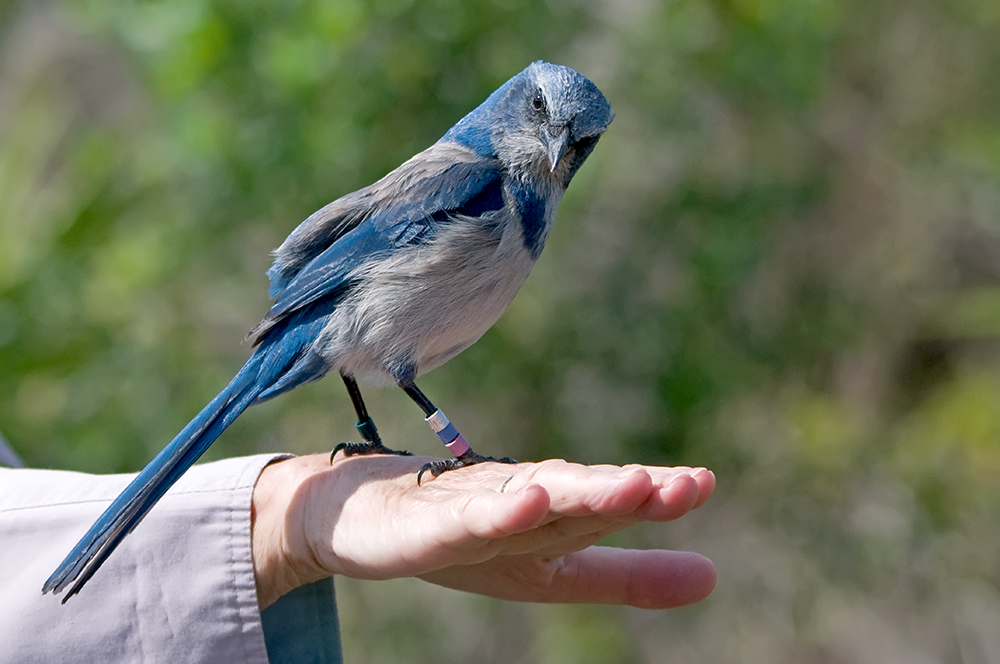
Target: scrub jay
394, 280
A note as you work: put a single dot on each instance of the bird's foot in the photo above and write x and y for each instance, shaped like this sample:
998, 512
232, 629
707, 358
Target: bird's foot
365, 448
468, 458
373, 442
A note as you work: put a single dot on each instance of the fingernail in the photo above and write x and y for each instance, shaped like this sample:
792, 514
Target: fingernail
629, 472
677, 479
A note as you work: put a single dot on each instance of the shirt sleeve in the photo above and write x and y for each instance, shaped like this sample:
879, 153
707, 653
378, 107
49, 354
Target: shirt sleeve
180, 588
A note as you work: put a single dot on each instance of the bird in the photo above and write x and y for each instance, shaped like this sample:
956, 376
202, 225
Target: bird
393, 280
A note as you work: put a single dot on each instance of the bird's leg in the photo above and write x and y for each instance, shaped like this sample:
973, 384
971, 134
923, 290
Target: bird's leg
365, 426
449, 435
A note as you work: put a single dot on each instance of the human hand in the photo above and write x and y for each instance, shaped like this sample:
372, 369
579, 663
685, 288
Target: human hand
365, 517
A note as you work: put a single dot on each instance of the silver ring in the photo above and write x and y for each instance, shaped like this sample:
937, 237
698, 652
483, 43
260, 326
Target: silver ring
503, 488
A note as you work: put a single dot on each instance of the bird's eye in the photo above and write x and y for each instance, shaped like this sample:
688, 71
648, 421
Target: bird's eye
538, 103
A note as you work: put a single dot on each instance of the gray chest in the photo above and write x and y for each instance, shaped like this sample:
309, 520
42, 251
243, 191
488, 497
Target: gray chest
418, 309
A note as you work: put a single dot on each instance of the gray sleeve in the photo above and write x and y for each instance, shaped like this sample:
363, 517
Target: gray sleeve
179, 589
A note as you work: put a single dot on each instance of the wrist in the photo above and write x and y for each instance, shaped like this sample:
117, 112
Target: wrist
282, 558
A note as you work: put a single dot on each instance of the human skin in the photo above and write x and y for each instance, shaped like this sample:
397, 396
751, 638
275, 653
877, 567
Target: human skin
522, 532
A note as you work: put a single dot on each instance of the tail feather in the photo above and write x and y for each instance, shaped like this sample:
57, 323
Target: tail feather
129, 508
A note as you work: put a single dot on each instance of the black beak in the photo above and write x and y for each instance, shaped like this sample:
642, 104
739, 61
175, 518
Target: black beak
556, 140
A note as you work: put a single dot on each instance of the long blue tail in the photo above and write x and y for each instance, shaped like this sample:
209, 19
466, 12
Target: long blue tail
274, 368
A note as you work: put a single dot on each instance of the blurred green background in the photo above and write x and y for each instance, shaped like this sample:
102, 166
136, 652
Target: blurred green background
782, 262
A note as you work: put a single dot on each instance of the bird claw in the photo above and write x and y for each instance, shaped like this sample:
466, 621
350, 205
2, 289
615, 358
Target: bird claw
469, 458
363, 449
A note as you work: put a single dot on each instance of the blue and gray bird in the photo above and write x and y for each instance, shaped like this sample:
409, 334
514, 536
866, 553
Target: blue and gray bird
394, 280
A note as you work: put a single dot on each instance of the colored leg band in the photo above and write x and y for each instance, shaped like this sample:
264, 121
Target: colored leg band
459, 446
367, 429
449, 435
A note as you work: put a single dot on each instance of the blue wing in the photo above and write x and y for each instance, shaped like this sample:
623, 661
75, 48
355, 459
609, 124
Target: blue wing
328, 250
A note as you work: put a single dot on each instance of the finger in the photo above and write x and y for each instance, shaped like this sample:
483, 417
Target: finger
560, 536
706, 485
493, 526
476, 526
578, 490
666, 503
677, 491
645, 579
597, 575
599, 503
487, 514
663, 476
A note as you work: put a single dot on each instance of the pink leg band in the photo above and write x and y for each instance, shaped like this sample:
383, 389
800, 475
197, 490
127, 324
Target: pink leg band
459, 446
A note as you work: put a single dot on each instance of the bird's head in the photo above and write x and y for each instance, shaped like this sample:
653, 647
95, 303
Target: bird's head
544, 121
